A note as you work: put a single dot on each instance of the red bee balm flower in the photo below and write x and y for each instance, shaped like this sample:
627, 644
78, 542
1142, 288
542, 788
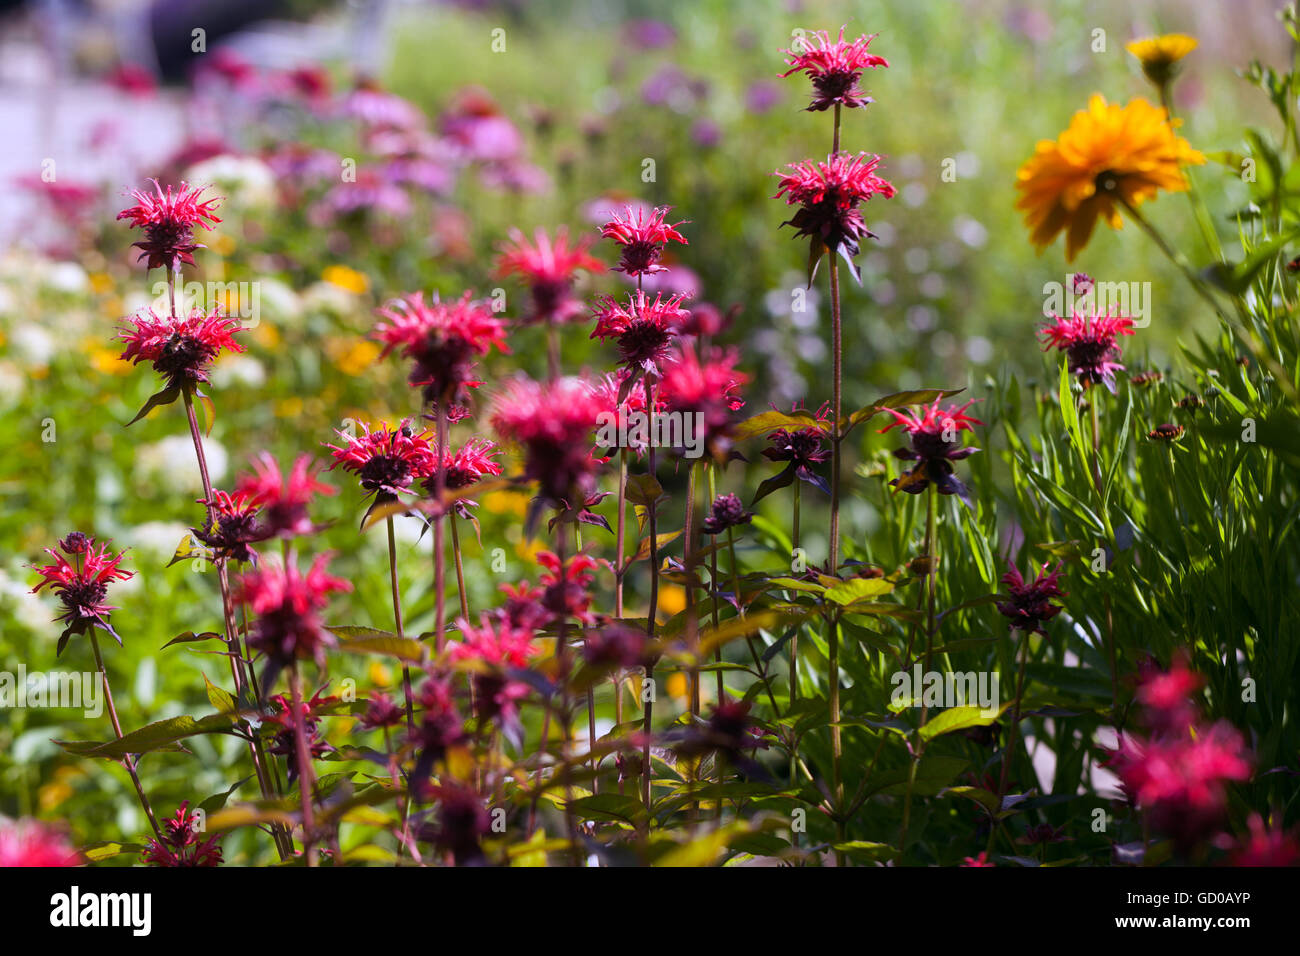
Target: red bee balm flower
168, 220
286, 603
468, 465
549, 267
30, 843
642, 234
643, 329
283, 498
705, 386
828, 195
181, 349
1092, 344
1029, 606
233, 526
934, 445
834, 68
443, 339
553, 421
180, 844
387, 459
82, 584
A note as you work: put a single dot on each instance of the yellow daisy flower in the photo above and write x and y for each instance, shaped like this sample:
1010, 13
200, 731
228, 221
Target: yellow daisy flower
1158, 55
1110, 156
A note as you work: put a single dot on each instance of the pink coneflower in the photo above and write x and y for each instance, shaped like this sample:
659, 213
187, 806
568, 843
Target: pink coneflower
377, 109
553, 421
232, 527
168, 220
282, 497
386, 460
1092, 344
549, 266
82, 584
181, 349
443, 339
29, 842
287, 604
642, 233
834, 68
1029, 605
180, 844
707, 386
643, 329
727, 511
828, 195
934, 445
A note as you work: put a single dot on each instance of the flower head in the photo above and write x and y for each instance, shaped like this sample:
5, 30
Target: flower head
834, 68
1109, 157
82, 584
462, 822
727, 511
470, 464
829, 195
168, 220
232, 526
282, 497
642, 233
803, 448
180, 844
1029, 605
566, 587
1267, 846
553, 421
934, 444
285, 742
497, 645
288, 603
181, 349
29, 842
643, 329
1159, 55
443, 339
549, 266
705, 384
1092, 344
386, 460
381, 711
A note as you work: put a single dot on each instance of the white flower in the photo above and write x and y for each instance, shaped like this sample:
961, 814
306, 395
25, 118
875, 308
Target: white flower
158, 540
247, 182
33, 344
12, 384
238, 370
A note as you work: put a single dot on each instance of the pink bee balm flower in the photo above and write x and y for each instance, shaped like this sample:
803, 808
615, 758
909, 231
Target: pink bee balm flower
553, 421
181, 349
443, 339
1167, 696
233, 526
287, 604
1092, 344
283, 497
981, 860
496, 643
1267, 847
567, 586
643, 329
642, 233
706, 385
1029, 605
28, 842
549, 266
934, 446
168, 220
285, 742
180, 844
82, 584
828, 195
1181, 780
834, 68
386, 460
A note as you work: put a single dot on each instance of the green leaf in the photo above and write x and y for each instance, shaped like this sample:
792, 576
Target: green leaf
160, 735
357, 639
189, 637
222, 700
765, 422
957, 718
858, 589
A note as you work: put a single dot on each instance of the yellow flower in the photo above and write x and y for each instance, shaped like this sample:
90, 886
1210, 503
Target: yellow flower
358, 357
347, 279
1159, 54
1108, 158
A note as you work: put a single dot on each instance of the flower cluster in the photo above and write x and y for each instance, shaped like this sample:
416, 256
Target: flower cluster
180, 844
80, 576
